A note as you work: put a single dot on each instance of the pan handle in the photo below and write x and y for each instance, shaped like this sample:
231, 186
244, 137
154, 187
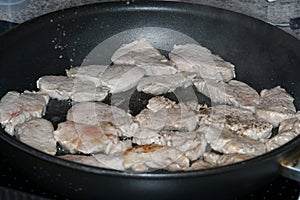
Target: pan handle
290, 165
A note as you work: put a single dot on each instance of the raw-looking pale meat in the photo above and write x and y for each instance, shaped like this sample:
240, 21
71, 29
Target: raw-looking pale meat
224, 159
89, 73
89, 139
63, 88
276, 105
200, 60
98, 160
142, 54
157, 85
87, 91
234, 93
120, 78
237, 120
58, 87
288, 130
199, 165
16, 108
117, 78
193, 144
228, 143
37, 133
94, 113
152, 157
170, 117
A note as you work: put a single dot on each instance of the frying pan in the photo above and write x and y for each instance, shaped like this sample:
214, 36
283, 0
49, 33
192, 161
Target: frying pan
264, 57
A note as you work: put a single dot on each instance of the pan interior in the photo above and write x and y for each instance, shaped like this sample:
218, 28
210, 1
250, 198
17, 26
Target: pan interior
264, 56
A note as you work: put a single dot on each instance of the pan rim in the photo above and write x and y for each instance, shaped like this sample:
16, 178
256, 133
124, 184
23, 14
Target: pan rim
166, 5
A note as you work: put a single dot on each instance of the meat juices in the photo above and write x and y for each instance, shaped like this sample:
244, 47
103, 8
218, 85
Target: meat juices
89, 139
234, 93
64, 88
98, 160
170, 117
200, 60
94, 113
238, 121
142, 54
152, 157
157, 85
16, 108
117, 78
37, 133
276, 105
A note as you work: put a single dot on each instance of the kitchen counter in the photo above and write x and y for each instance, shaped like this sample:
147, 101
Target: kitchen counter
277, 12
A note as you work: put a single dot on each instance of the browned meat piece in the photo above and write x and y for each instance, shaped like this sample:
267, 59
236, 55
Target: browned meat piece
236, 120
276, 105
292, 124
88, 139
94, 113
225, 159
142, 54
163, 114
193, 144
157, 85
200, 164
63, 88
152, 157
279, 140
234, 93
98, 160
212, 157
195, 58
37, 133
16, 108
288, 130
228, 143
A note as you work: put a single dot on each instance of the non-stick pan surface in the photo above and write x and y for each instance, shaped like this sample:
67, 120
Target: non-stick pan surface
264, 57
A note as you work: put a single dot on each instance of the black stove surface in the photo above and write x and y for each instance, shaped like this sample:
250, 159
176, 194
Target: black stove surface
14, 185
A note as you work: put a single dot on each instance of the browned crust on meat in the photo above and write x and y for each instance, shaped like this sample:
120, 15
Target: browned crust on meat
147, 148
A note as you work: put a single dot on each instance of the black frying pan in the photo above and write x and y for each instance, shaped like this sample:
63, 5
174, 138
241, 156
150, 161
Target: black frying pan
264, 57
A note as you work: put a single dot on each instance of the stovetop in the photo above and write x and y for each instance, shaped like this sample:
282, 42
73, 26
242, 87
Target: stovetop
14, 185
